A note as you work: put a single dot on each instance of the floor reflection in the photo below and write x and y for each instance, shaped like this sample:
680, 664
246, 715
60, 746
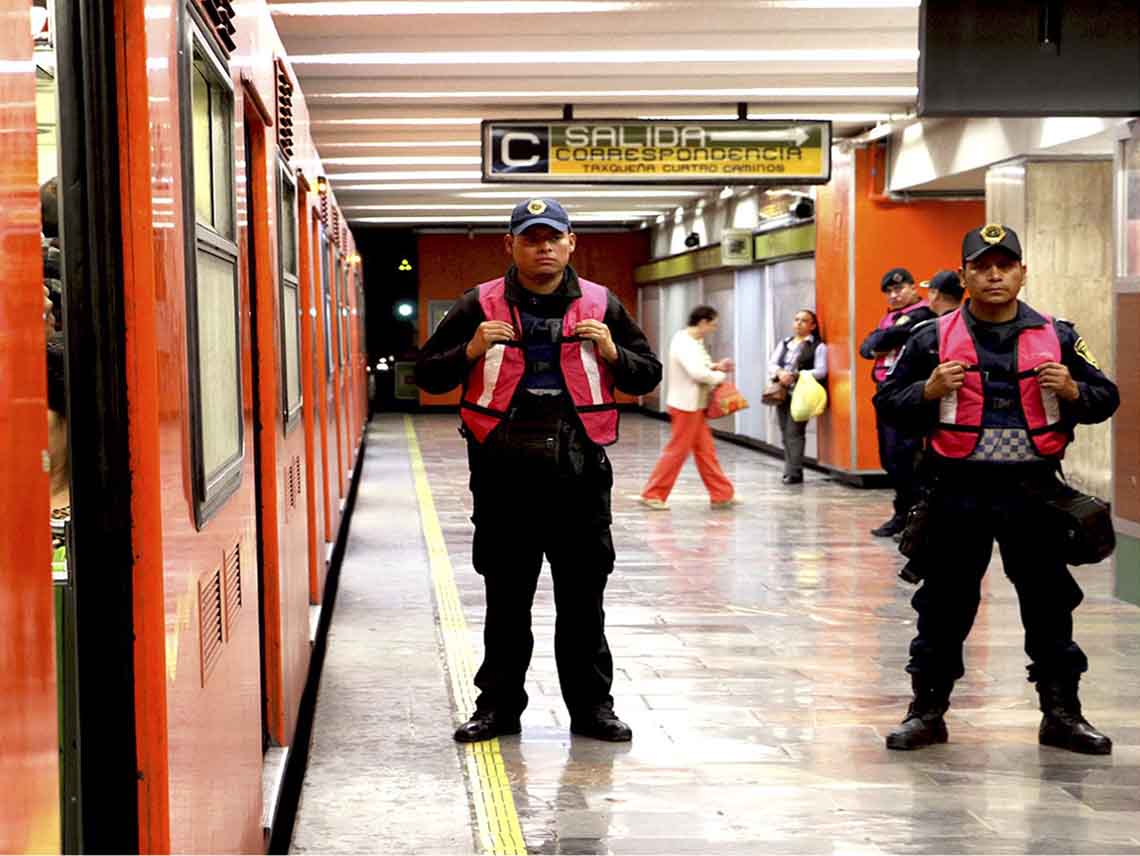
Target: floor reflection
759, 656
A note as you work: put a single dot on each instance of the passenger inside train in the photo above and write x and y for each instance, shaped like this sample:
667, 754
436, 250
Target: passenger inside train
353, 354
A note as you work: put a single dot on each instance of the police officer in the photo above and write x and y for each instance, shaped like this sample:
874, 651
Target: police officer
944, 292
997, 389
539, 353
897, 449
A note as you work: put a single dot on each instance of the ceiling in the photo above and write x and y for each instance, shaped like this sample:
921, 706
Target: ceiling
397, 90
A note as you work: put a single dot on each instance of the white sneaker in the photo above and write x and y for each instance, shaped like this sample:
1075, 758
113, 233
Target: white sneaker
655, 504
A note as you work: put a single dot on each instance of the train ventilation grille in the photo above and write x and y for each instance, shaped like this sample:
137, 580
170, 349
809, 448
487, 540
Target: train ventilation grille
221, 16
233, 587
210, 620
284, 110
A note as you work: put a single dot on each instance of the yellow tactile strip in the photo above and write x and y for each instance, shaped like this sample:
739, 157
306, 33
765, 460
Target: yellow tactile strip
490, 789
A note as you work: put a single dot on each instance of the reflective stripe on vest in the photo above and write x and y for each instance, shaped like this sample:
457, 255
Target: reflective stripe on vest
886, 362
494, 378
960, 412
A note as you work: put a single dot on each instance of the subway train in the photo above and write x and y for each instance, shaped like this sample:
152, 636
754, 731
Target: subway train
202, 314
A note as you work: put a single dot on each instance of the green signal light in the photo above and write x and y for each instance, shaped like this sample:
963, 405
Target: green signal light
404, 265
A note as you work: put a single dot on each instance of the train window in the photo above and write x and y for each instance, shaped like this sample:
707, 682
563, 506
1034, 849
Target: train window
290, 299
213, 296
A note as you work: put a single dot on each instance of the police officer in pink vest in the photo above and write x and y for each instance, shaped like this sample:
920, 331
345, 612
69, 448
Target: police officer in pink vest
539, 353
897, 449
997, 388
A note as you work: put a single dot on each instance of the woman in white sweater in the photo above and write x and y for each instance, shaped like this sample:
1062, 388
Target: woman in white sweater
692, 376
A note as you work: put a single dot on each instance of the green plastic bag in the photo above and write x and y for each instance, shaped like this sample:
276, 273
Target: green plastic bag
809, 398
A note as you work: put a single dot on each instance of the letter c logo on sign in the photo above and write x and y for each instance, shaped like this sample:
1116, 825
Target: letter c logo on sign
519, 149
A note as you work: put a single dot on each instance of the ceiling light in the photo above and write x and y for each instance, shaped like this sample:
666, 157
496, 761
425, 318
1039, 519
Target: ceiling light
786, 93
500, 219
409, 175
409, 160
411, 187
421, 144
463, 207
541, 59
587, 194
660, 219
403, 120
726, 193
501, 7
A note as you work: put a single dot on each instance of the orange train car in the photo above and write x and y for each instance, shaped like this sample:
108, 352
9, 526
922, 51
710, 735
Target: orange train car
179, 271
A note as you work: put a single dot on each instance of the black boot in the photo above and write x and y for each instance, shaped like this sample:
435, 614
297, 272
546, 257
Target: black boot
1062, 724
485, 724
923, 725
891, 527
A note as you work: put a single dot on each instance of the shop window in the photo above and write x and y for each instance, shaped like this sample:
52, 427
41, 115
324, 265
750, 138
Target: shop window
290, 297
213, 297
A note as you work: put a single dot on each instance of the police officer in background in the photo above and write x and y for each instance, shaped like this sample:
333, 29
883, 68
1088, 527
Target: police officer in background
997, 389
897, 449
539, 353
944, 292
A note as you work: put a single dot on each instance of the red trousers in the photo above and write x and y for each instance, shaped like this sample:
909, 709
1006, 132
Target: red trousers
690, 434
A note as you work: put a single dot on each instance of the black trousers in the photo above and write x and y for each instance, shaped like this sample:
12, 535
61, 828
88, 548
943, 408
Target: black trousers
976, 511
794, 436
523, 513
898, 453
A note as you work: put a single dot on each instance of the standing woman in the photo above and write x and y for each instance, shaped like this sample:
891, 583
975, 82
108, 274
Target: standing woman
802, 351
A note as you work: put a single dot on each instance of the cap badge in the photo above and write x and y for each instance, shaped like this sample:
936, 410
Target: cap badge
898, 277
992, 234
536, 206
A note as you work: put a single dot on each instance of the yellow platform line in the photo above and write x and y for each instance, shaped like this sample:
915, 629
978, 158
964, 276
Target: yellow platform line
490, 788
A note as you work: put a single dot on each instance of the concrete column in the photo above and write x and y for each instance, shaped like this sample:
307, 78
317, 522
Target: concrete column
1063, 212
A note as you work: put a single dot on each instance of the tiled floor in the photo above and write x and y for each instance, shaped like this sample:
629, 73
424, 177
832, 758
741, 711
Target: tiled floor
759, 657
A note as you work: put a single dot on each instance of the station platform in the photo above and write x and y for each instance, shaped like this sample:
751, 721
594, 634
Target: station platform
758, 656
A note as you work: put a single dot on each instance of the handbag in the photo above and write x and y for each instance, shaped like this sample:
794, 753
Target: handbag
725, 399
774, 394
1084, 524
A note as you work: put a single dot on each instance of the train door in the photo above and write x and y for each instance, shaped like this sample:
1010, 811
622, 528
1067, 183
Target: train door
338, 376
278, 444
329, 446
29, 772
311, 374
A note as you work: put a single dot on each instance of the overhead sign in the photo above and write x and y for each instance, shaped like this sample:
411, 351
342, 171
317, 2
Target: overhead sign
657, 152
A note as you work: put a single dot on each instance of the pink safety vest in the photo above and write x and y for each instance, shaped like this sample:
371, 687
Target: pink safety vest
960, 412
494, 378
884, 363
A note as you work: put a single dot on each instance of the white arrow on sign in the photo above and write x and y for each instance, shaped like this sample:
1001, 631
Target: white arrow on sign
796, 135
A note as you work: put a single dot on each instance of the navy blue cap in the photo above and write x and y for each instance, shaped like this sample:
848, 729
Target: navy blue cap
895, 276
947, 282
988, 237
539, 212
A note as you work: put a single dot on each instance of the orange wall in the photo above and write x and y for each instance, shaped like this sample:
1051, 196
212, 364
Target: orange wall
922, 236
451, 264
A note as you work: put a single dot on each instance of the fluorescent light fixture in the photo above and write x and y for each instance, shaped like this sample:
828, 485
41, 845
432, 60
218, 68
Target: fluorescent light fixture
587, 194
833, 117
412, 187
501, 7
541, 59
403, 144
406, 160
659, 219
785, 93
376, 8
486, 218
414, 121
640, 212
409, 175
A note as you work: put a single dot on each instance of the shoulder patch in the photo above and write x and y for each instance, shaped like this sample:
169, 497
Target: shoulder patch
902, 319
922, 325
1083, 351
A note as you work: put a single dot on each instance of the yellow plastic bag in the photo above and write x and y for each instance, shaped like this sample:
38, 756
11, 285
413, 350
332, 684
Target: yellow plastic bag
809, 398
